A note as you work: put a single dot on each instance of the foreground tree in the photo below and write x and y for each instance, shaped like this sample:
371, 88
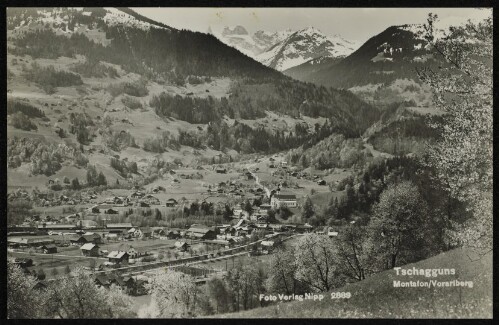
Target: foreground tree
173, 295
463, 156
317, 262
353, 252
217, 292
76, 296
398, 227
22, 300
282, 278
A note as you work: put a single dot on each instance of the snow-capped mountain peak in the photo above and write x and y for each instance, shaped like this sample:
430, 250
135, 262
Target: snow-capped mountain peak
304, 45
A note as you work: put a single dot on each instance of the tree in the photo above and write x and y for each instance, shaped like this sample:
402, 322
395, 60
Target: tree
317, 262
75, 184
40, 274
91, 175
78, 297
353, 251
22, 300
218, 294
66, 180
248, 207
67, 270
245, 283
285, 213
282, 278
101, 179
463, 155
398, 227
119, 305
173, 295
308, 208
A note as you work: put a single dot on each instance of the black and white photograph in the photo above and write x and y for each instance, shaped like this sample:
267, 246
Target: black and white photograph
249, 162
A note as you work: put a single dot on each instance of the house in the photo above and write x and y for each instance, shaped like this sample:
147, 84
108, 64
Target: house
49, 249
332, 233
86, 238
283, 200
118, 257
249, 176
237, 211
136, 195
151, 200
171, 203
221, 170
90, 249
201, 232
136, 252
40, 285
181, 246
102, 280
134, 232
142, 204
111, 211
321, 182
303, 228
24, 262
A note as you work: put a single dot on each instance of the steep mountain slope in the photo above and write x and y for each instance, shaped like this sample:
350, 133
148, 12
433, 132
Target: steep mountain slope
304, 45
387, 58
392, 54
302, 71
107, 82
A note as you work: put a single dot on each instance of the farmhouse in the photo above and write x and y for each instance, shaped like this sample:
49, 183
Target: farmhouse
89, 249
23, 262
134, 252
283, 200
303, 228
181, 246
151, 200
171, 203
86, 238
201, 232
49, 249
118, 257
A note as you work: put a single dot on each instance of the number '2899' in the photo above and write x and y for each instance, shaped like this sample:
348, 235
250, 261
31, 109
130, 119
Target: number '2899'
340, 295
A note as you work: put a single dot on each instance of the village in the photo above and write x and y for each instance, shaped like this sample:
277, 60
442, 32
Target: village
98, 238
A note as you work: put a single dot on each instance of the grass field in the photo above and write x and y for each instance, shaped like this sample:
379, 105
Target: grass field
376, 297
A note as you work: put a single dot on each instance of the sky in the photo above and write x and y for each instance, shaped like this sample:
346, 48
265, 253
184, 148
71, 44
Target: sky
357, 24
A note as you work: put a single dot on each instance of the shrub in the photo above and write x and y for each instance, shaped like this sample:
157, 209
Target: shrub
137, 89
49, 78
93, 68
21, 121
131, 102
